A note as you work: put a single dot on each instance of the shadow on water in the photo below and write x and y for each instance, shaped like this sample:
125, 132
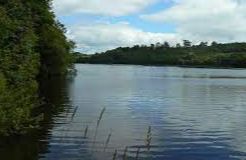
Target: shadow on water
54, 92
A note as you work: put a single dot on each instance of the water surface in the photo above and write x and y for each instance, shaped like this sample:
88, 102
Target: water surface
194, 114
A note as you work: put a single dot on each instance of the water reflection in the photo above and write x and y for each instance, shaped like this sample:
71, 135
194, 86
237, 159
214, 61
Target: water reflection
192, 117
55, 94
194, 114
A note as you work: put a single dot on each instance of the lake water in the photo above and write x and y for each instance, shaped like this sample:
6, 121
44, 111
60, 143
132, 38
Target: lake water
159, 113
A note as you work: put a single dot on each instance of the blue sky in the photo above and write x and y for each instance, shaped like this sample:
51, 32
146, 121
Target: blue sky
99, 25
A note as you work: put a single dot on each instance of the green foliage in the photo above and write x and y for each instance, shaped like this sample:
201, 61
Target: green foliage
80, 58
187, 43
54, 48
30, 40
204, 55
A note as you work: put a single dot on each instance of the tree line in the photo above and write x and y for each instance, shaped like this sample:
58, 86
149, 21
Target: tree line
32, 47
185, 54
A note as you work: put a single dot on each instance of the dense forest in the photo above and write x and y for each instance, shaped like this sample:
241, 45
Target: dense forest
32, 47
186, 54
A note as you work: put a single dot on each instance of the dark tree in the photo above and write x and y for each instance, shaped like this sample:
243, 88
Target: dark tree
178, 45
203, 44
187, 43
166, 45
219, 55
32, 43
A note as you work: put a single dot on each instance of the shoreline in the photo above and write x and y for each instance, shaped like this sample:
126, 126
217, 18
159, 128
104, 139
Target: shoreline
163, 65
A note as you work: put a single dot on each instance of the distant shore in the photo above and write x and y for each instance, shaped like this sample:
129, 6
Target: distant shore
230, 55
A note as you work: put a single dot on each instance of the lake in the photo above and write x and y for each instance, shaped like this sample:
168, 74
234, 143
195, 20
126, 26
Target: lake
158, 113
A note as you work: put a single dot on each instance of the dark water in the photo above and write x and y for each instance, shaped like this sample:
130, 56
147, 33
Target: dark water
194, 114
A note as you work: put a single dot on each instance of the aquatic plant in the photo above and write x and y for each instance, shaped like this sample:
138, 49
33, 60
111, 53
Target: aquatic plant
66, 130
148, 138
137, 154
98, 124
74, 112
125, 153
86, 131
108, 140
115, 155
100, 116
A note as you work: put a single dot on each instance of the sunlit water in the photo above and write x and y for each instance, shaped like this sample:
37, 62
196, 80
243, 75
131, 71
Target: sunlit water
194, 114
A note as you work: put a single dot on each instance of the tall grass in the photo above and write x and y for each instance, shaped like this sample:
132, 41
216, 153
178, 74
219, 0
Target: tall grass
125, 153
148, 138
98, 124
100, 116
107, 141
137, 154
86, 131
65, 130
74, 112
115, 155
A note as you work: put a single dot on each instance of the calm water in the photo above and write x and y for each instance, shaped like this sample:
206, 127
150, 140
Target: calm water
194, 114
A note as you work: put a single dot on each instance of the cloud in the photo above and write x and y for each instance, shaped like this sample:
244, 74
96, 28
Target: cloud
196, 20
100, 7
206, 20
101, 37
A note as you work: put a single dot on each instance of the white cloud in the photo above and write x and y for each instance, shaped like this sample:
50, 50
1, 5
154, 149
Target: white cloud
207, 20
100, 7
101, 37
197, 20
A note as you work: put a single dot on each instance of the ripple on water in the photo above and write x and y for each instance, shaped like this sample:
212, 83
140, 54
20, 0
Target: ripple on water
194, 114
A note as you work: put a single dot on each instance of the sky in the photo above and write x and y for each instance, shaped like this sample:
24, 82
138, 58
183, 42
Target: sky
100, 25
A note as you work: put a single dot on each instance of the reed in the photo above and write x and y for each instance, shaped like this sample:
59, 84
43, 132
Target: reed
100, 116
86, 131
74, 112
98, 124
137, 154
148, 138
115, 155
71, 120
107, 141
125, 153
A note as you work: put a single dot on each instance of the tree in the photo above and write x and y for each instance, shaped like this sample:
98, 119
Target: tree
214, 43
231, 54
187, 43
136, 47
158, 45
32, 43
152, 46
178, 45
166, 45
203, 44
